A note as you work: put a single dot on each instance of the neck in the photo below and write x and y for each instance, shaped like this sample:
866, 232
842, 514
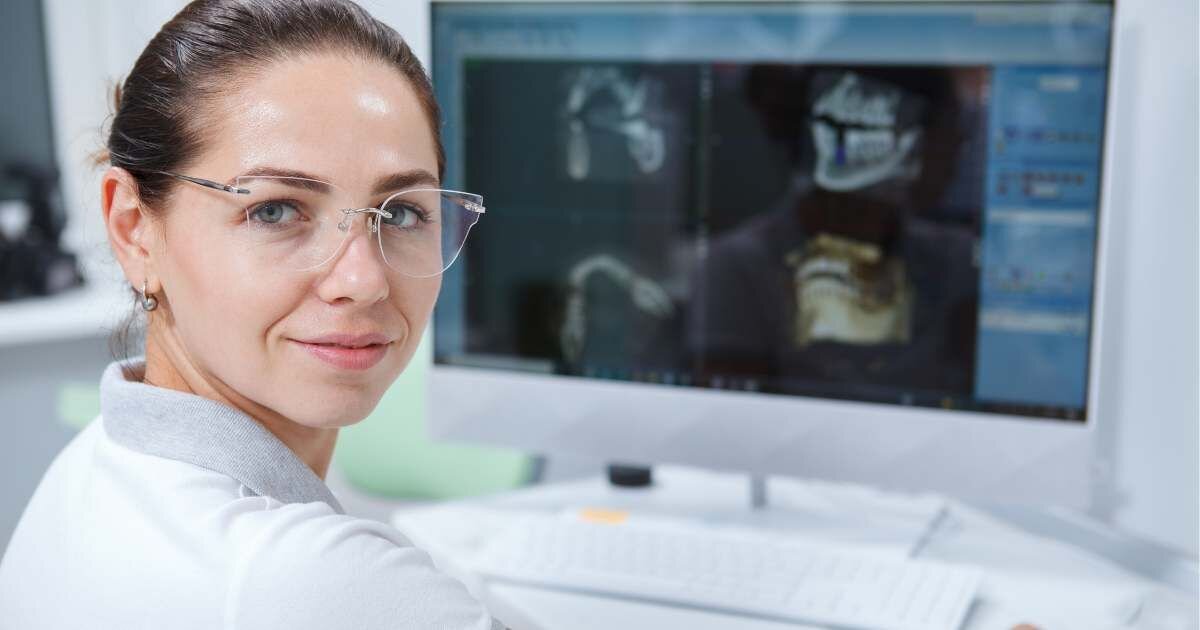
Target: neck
313, 446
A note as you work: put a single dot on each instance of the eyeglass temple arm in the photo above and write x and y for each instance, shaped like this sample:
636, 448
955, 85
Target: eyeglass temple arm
208, 183
468, 200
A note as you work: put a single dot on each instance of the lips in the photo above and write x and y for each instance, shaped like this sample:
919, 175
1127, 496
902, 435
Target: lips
346, 340
345, 351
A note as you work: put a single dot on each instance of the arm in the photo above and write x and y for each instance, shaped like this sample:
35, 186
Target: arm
310, 568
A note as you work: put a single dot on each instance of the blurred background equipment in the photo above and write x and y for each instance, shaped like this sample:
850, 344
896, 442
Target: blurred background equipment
32, 259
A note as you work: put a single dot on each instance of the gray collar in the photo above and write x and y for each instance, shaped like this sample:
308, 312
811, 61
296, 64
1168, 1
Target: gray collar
196, 430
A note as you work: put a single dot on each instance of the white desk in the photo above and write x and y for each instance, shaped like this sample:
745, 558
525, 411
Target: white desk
1048, 579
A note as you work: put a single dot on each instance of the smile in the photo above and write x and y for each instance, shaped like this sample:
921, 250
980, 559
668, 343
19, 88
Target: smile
346, 352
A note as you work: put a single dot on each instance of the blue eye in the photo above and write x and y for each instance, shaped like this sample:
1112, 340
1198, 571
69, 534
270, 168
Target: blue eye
274, 213
405, 216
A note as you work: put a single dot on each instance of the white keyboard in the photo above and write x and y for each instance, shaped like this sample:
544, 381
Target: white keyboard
758, 575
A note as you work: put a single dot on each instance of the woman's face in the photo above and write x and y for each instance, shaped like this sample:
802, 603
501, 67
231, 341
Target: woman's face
269, 336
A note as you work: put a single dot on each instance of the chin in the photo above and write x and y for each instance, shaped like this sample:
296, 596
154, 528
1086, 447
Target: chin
333, 418
333, 407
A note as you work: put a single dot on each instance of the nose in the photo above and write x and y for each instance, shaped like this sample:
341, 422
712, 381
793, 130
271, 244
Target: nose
357, 273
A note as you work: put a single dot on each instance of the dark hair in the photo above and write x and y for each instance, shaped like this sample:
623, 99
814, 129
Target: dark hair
164, 107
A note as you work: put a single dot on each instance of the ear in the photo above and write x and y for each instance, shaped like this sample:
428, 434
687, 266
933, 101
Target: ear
129, 229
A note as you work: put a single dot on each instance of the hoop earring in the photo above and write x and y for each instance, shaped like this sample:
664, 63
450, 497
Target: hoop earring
149, 302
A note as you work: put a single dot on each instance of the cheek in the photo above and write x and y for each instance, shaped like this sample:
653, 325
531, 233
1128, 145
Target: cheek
223, 303
415, 299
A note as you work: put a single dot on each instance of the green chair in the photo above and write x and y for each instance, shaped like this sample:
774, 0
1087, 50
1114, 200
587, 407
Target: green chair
78, 404
390, 453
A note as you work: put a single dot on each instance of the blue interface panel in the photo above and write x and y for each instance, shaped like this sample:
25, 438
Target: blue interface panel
1039, 238
880, 202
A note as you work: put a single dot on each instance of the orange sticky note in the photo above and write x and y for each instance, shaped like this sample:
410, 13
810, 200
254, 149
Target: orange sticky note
601, 515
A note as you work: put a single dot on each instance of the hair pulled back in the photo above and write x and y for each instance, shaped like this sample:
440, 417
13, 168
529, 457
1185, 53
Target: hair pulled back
168, 100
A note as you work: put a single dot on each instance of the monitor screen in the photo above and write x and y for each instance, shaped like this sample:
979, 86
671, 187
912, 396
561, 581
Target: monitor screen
893, 203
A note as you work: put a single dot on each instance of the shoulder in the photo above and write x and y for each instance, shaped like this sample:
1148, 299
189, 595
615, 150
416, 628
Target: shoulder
305, 566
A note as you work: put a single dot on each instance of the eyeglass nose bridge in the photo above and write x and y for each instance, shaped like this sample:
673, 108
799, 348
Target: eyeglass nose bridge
374, 215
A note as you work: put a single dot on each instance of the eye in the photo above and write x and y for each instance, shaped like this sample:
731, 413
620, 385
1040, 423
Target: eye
405, 215
274, 213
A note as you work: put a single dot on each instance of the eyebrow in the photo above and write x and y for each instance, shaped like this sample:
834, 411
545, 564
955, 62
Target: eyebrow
406, 179
395, 181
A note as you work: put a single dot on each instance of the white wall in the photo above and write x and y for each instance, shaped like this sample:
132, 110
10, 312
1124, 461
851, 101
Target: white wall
1151, 341
1153, 379
91, 45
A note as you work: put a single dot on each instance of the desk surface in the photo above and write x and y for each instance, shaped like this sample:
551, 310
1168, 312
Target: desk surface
1047, 578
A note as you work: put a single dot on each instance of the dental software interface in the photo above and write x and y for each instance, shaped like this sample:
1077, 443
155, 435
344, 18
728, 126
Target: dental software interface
893, 203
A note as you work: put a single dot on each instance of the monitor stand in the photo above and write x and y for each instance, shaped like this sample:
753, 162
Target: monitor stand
892, 523
758, 491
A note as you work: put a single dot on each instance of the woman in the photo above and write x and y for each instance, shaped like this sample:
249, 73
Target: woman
273, 198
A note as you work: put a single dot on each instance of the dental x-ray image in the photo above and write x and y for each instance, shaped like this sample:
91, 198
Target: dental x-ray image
864, 262
588, 167
864, 131
848, 292
792, 228
645, 294
602, 100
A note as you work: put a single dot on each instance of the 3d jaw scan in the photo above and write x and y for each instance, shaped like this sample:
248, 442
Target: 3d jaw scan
848, 292
867, 140
864, 133
626, 113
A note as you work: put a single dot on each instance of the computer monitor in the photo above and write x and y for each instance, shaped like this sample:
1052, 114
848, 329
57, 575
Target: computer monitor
854, 241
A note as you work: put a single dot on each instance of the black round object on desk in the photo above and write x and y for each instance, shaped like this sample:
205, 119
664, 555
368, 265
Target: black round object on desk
628, 476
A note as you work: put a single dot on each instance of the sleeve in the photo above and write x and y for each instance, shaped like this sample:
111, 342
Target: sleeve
313, 569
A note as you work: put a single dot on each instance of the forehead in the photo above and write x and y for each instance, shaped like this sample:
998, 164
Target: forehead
344, 119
